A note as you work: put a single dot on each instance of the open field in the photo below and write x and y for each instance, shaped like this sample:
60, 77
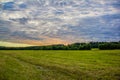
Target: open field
60, 65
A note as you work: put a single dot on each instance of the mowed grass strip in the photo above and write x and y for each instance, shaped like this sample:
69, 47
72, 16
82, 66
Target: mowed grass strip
59, 65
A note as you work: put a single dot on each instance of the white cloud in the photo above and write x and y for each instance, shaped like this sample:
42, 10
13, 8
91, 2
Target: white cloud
12, 15
58, 17
5, 0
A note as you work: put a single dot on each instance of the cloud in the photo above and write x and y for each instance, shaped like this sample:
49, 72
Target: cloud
5, 0
82, 20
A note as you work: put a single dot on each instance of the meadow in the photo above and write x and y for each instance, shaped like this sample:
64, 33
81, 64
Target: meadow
60, 65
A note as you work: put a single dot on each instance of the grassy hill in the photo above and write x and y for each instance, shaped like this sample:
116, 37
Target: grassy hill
60, 65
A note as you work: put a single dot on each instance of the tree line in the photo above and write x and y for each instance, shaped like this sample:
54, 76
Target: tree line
74, 46
105, 45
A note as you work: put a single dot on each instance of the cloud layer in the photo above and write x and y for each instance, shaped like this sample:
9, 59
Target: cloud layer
64, 20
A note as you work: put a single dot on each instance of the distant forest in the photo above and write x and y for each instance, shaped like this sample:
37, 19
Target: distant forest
74, 46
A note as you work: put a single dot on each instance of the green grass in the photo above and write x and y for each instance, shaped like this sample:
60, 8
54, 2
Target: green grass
60, 65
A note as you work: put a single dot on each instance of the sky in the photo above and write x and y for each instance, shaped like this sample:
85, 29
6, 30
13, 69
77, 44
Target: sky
10, 44
44, 22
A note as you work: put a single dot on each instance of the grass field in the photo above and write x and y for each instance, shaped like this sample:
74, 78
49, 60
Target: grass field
60, 65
